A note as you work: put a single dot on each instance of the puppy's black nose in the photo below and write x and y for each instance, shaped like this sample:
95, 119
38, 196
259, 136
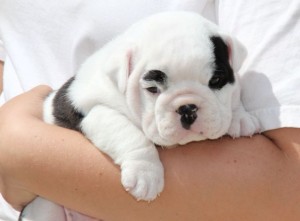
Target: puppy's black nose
188, 114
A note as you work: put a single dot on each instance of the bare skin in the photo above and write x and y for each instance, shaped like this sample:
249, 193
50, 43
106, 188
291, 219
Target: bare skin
254, 178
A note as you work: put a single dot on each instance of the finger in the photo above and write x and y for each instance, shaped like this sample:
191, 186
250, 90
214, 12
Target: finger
41, 90
36, 97
16, 195
29, 103
19, 204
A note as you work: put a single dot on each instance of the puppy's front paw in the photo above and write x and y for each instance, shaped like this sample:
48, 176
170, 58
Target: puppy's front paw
143, 179
243, 124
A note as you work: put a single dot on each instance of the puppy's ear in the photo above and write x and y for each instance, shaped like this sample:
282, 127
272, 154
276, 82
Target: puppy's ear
237, 52
125, 61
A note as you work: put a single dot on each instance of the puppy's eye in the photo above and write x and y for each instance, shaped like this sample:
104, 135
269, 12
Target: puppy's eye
217, 81
153, 90
214, 81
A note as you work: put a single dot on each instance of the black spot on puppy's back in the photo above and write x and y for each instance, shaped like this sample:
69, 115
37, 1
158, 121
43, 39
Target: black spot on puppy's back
64, 112
223, 72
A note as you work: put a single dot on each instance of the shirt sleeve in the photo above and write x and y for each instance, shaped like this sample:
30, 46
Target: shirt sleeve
2, 51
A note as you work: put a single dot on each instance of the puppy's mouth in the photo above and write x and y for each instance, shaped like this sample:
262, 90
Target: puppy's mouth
179, 133
189, 123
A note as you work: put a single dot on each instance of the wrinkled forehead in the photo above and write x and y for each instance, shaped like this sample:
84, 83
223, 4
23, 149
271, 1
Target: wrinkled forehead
181, 52
177, 44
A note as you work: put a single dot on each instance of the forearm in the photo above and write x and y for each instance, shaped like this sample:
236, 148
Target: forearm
242, 179
225, 184
225, 179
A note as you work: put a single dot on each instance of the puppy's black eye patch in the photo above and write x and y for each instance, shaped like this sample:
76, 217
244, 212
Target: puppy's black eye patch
155, 75
223, 72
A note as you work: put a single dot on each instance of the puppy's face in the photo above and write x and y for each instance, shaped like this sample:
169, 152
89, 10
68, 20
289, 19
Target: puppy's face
185, 85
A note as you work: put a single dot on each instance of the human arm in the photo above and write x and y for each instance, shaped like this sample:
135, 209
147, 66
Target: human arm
241, 179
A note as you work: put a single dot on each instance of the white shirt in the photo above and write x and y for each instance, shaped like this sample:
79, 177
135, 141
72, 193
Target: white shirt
271, 79
46, 41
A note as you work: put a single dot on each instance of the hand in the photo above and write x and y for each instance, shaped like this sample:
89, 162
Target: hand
13, 115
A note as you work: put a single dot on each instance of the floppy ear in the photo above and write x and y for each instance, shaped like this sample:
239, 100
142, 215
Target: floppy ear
125, 69
237, 52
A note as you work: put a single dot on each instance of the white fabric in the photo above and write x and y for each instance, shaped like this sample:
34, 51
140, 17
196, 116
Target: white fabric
45, 41
271, 78
7, 213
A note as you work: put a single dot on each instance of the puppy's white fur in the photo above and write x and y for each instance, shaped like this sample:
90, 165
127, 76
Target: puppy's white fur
124, 120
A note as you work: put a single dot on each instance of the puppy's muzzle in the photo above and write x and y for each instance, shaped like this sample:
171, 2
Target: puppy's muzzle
188, 114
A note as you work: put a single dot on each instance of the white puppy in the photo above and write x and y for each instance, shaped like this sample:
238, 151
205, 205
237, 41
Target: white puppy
170, 79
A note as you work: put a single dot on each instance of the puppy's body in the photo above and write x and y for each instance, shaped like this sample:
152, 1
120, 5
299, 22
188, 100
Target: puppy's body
170, 79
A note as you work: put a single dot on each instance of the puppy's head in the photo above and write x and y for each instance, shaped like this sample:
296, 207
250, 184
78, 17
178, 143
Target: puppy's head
182, 82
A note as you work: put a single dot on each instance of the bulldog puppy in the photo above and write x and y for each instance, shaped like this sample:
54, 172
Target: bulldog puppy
169, 79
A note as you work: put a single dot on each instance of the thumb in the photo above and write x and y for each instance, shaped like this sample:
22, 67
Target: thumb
41, 90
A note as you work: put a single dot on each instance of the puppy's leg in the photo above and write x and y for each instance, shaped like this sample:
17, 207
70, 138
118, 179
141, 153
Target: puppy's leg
42, 210
113, 133
243, 123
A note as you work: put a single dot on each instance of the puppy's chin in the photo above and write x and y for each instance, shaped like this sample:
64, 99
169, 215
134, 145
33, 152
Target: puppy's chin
186, 137
169, 130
